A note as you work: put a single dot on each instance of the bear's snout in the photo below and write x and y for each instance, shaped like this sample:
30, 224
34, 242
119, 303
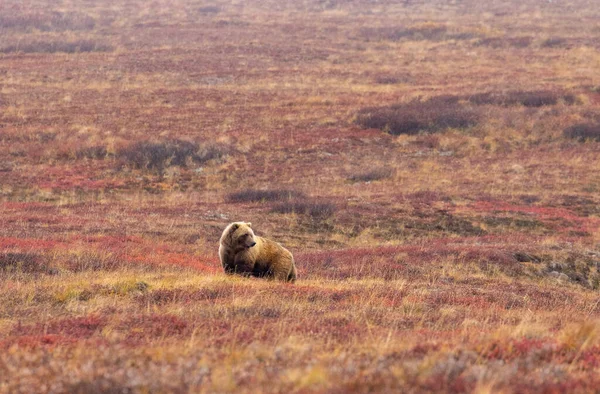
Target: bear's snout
252, 244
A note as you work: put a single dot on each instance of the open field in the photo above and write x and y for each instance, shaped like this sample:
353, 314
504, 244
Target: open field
433, 165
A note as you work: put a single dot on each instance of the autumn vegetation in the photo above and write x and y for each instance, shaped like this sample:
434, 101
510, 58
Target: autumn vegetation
434, 167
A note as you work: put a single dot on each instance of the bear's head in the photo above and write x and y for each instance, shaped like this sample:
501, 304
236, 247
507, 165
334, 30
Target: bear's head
238, 235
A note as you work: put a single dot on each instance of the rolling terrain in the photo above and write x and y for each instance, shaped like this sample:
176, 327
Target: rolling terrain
434, 167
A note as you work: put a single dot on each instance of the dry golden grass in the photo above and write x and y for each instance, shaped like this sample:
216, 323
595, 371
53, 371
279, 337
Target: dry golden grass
460, 256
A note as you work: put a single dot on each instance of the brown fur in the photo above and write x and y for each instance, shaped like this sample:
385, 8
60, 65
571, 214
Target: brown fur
243, 253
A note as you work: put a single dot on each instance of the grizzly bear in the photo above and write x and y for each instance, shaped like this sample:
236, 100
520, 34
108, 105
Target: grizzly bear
246, 254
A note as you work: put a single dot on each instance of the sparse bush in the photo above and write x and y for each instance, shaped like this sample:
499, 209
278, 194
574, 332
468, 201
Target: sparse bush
253, 195
44, 137
520, 223
554, 42
505, 42
584, 131
431, 33
209, 9
90, 260
430, 141
76, 46
537, 98
387, 80
374, 174
157, 156
313, 209
424, 32
23, 262
92, 152
57, 21
128, 287
444, 222
523, 257
433, 115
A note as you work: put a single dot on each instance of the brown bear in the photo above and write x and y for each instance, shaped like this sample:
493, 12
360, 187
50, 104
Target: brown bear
246, 254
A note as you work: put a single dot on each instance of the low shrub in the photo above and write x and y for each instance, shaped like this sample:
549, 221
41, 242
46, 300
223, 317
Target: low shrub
209, 9
56, 21
458, 112
433, 115
253, 195
158, 156
554, 42
92, 152
505, 42
584, 131
374, 174
23, 262
76, 46
537, 98
424, 32
387, 80
315, 210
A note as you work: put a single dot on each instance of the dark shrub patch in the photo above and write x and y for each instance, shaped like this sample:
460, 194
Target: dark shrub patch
554, 42
57, 46
372, 175
502, 42
538, 98
92, 152
157, 156
43, 136
253, 195
312, 209
387, 80
209, 9
432, 32
517, 223
433, 115
491, 260
57, 21
452, 224
523, 257
584, 131
23, 262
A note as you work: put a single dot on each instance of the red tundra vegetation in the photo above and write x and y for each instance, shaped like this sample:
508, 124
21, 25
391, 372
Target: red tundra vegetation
434, 166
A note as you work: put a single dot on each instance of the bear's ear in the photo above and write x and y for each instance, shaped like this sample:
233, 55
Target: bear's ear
232, 230
249, 224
